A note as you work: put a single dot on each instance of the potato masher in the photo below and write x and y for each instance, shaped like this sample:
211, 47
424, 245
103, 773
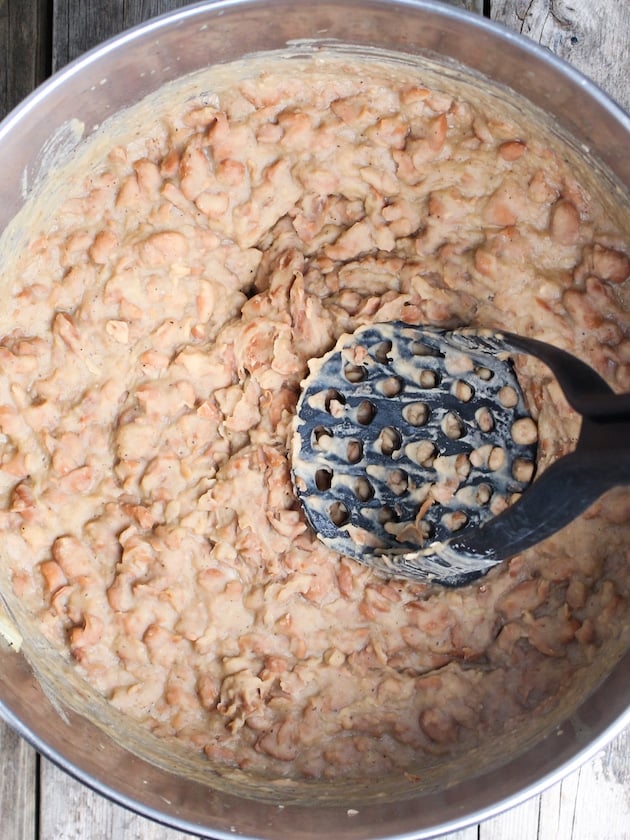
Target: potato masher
413, 450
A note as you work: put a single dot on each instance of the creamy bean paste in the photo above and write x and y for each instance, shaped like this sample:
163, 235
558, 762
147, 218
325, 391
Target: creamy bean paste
156, 329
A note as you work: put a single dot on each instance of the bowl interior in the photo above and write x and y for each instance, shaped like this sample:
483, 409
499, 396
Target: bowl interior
78, 730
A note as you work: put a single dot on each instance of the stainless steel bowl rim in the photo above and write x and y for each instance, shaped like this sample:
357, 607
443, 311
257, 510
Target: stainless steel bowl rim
199, 9
13, 715
111, 793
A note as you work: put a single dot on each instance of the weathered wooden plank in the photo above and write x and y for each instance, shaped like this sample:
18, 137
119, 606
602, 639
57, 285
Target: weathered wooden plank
18, 787
594, 37
69, 810
519, 823
24, 49
137, 11
594, 802
588, 804
79, 26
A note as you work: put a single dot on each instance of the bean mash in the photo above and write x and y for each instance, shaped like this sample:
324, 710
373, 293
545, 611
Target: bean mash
158, 326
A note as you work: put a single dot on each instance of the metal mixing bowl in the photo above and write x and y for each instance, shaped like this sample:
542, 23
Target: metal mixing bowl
118, 74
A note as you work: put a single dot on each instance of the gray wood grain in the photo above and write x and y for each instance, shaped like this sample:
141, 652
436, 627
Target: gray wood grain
79, 26
18, 787
24, 49
593, 36
71, 811
593, 803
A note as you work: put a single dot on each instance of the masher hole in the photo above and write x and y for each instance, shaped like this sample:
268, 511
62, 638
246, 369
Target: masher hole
355, 373
323, 479
398, 482
354, 451
462, 465
422, 452
498, 504
428, 378
322, 438
363, 490
496, 458
390, 440
416, 414
508, 396
424, 530
381, 352
523, 470
419, 348
483, 494
391, 386
524, 431
463, 391
453, 426
366, 411
334, 402
455, 520
484, 373
339, 514
388, 514
485, 419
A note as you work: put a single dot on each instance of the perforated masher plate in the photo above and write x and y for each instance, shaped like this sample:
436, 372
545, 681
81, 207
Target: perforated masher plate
405, 436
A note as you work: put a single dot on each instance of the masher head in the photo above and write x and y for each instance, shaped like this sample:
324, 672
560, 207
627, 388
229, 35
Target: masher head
406, 436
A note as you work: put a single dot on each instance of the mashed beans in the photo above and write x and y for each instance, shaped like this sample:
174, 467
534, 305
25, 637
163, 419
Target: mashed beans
158, 328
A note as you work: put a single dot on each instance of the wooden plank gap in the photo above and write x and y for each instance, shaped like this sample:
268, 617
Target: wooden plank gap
38, 796
47, 29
